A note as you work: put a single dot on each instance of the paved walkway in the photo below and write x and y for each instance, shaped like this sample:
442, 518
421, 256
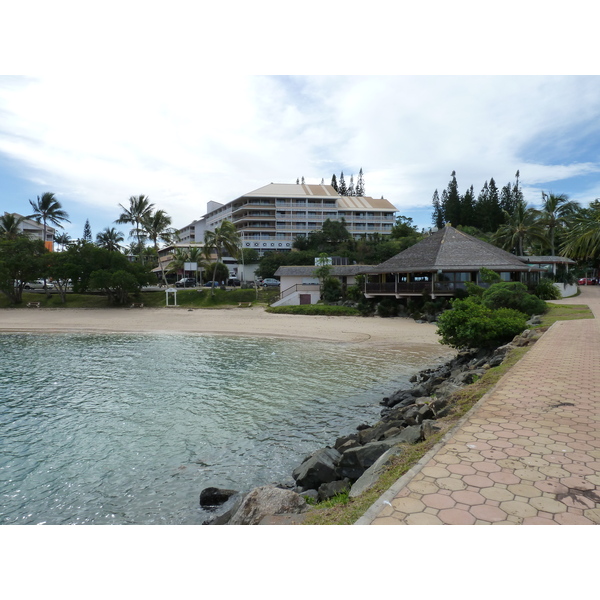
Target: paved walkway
527, 453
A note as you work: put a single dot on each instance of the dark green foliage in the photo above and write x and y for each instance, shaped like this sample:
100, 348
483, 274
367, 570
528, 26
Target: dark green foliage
546, 290
437, 218
316, 309
513, 295
488, 276
87, 231
332, 289
388, 307
470, 324
21, 260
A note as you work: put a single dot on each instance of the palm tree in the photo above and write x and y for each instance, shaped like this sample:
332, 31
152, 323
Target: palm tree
139, 209
10, 226
157, 226
557, 211
62, 239
521, 227
223, 237
110, 239
583, 238
48, 209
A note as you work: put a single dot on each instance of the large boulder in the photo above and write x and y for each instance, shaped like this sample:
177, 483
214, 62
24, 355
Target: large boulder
329, 490
356, 461
319, 467
267, 500
370, 477
212, 497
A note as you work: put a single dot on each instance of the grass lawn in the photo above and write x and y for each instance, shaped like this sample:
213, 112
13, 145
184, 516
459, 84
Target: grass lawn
186, 298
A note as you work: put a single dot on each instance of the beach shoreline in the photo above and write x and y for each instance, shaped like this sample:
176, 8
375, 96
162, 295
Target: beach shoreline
254, 322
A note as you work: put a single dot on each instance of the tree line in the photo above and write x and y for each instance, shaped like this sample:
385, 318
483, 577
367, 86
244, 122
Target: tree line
559, 226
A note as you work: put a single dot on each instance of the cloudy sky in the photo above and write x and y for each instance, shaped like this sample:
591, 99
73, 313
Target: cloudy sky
185, 135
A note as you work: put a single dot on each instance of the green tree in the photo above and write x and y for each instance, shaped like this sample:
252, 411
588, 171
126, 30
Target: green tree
139, 209
342, 189
157, 226
437, 218
555, 215
360, 184
521, 228
22, 259
62, 239
225, 237
334, 183
451, 202
10, 226
87, 232
467, 208
48, 209
110, 239
582, 240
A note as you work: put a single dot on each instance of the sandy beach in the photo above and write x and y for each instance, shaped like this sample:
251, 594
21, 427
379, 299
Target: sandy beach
370, 331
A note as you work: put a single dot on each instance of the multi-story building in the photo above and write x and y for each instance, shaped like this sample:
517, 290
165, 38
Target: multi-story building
271, 217
35, 230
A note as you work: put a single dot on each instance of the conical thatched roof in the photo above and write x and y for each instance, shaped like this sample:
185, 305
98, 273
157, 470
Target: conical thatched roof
450, 250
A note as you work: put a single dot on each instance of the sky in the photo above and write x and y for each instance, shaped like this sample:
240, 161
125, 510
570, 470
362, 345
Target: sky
95, 140
187, 108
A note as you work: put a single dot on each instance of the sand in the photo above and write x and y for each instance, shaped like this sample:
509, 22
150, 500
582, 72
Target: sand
254, 321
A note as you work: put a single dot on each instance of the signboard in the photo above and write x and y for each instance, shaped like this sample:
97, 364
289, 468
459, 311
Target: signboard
190, 266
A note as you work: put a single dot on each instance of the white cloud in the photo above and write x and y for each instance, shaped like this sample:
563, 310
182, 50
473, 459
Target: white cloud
183, 141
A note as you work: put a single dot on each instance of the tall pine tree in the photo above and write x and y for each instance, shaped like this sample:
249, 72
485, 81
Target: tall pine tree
360, 184
334, 183
351, 191
451, 202
87, 231
342, 189
437, 217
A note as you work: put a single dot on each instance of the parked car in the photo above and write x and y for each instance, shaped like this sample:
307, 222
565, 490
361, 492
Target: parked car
270, 282
212, 284
38, 284
234, 281
587, 281
186, 282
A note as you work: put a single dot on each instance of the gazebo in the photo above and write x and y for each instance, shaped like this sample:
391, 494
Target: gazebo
441, 264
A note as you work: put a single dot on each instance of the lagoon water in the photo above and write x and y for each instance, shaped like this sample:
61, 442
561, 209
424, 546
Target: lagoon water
128, 429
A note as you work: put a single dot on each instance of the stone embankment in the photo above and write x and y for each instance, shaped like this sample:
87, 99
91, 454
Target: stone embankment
355, 461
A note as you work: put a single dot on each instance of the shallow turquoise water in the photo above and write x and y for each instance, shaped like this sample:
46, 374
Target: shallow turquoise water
121, 428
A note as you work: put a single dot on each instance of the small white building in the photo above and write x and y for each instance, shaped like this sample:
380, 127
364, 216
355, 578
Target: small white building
300, 285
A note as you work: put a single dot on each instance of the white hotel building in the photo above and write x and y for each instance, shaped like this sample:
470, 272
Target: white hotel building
271, 217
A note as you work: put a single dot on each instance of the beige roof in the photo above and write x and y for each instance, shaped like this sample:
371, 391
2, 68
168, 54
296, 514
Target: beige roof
364, 202
292, 190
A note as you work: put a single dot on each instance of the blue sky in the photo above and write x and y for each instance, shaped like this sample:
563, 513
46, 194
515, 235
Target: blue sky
94, 141
97, 106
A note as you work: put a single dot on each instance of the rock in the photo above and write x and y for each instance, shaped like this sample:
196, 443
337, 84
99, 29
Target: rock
313, 494
212, 497
356, 461
267, 500
342, 440
231, 507
329, 490
428, 428
318, 468
410, 435
370, 477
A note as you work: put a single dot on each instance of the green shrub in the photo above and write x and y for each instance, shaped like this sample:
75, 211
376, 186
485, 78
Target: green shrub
315, 309
388, 307
546, 290
332, 289
472, 324
512, 294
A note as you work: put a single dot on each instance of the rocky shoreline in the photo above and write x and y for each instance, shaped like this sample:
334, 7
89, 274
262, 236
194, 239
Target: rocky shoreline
354, 462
